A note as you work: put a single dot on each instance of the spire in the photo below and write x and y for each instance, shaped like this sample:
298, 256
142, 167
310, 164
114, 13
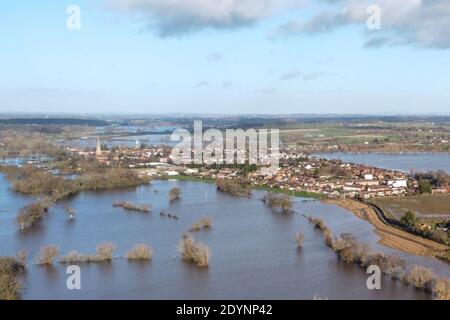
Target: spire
98, 152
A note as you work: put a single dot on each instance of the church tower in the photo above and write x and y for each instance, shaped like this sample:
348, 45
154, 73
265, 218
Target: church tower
98, 152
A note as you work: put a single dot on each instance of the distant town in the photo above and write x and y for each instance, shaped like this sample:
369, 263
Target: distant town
298, 172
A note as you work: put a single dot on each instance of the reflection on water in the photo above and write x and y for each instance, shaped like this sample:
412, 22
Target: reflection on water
399, 161
254, 254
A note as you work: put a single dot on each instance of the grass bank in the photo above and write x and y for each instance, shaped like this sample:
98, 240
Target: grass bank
301, 194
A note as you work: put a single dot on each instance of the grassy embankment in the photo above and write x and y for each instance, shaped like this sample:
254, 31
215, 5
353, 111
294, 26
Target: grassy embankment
301, 194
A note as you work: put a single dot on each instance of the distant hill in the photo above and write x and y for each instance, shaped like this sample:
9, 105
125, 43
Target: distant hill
56, 121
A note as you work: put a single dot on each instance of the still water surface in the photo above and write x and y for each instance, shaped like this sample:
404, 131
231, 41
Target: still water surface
254, 254
399, 161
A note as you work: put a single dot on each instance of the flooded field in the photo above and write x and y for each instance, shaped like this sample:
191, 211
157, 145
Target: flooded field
254, 254
398, 161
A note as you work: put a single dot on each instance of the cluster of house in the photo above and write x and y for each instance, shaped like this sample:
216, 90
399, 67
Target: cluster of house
296, 172
334, 178
126, 157
331, 178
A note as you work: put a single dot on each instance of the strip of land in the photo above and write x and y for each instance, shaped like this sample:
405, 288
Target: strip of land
391, 236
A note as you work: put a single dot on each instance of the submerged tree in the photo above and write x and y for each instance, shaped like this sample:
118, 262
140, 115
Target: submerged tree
194, 251
282, 201
299, 237
174, 194
238, 187
47, 255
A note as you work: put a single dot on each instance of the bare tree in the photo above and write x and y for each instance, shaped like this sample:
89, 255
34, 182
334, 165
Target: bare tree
174, 194
203, 223
194, 251
299, 237
47, 255
140, 252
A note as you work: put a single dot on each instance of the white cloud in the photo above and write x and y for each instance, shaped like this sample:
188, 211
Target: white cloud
176, 17
423, 23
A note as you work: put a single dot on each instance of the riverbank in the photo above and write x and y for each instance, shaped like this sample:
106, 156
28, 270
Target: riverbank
301, 194
390, 236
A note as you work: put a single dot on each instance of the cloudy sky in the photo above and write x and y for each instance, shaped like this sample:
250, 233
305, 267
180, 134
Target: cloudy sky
226, 56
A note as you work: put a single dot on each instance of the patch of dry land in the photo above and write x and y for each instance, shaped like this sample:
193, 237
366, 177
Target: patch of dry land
390, 236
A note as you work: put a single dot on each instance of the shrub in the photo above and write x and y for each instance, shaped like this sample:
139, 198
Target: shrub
22, 256
140, 252
145, 208
425, 186
10, 287
31, 214
328, 237
420, 277
278, 200
326, 232
349, 250
47, 255
238, 187
76, 257
105, 250
391, 265
441, 236
317, 223
409, 219
174, 194
203, 223
194, 251
11, 266
104, 253
30, 180
299, 237
441, 289
11, 271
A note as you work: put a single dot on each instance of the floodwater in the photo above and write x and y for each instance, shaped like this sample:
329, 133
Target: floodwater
160, 136
122, 141
398, 161
254, 254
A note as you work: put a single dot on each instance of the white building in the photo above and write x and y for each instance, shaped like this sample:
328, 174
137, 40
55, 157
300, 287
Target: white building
402, 183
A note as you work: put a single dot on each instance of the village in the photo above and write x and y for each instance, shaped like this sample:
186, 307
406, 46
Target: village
297, 172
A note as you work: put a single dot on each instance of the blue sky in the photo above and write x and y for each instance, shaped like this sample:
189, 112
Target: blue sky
140, 56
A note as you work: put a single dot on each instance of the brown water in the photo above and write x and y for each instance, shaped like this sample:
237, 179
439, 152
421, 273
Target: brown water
254, 255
